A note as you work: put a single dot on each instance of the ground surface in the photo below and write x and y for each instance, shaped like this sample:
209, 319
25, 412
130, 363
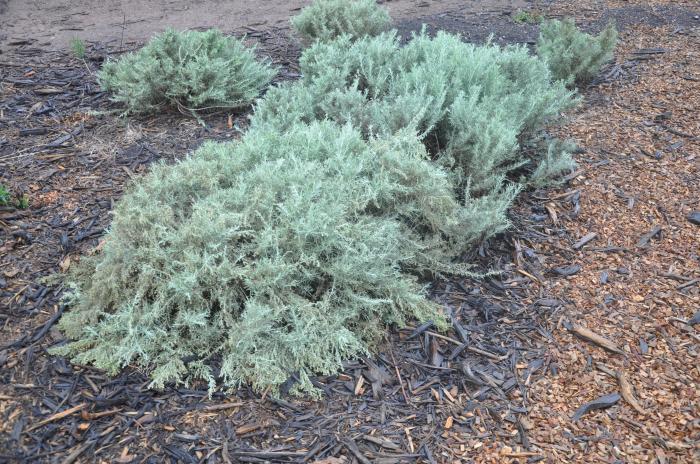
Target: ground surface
53, 23
503, 386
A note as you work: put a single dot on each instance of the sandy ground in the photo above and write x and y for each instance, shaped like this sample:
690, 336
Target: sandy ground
53, 23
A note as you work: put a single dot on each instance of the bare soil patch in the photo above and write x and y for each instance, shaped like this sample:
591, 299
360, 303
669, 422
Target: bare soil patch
52, 24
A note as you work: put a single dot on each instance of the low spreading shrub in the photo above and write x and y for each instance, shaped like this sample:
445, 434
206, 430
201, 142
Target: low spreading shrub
190, 70
282, 254
328, 19
472, 105
574, 56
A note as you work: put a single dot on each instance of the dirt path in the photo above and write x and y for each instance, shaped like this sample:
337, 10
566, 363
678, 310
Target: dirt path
53, 23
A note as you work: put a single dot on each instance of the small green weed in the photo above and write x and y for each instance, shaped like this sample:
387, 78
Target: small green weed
527, 17
77, 46
7, 199
23, 202
4, 196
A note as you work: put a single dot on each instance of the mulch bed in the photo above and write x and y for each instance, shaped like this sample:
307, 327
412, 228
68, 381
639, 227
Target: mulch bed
502, 386
638, 283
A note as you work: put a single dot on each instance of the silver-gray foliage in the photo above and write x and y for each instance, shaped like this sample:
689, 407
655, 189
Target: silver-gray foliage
556, 160
572, 55
329, 19
284, 253
472, 105
189, 70
295, 248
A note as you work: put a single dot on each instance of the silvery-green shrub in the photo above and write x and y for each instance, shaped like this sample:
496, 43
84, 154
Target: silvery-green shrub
188, 70
472, 105
556, 160
572, 55
329, 19
279, 255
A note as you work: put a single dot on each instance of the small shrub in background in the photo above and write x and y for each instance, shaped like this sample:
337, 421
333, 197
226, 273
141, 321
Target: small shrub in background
77, 46
328, 19
282, 254
574, 56
189, 70
527, 17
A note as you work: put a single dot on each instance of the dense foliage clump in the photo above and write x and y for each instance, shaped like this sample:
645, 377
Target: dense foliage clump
282, 254
574, 56
472, 105
328, 19
189, 70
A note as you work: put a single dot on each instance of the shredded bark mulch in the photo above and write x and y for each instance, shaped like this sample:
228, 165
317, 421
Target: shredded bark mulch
639, 258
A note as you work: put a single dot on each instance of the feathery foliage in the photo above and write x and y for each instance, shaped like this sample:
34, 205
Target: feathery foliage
328, 19
574, 56
472, 105
189, 70
284, 253
555, 161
